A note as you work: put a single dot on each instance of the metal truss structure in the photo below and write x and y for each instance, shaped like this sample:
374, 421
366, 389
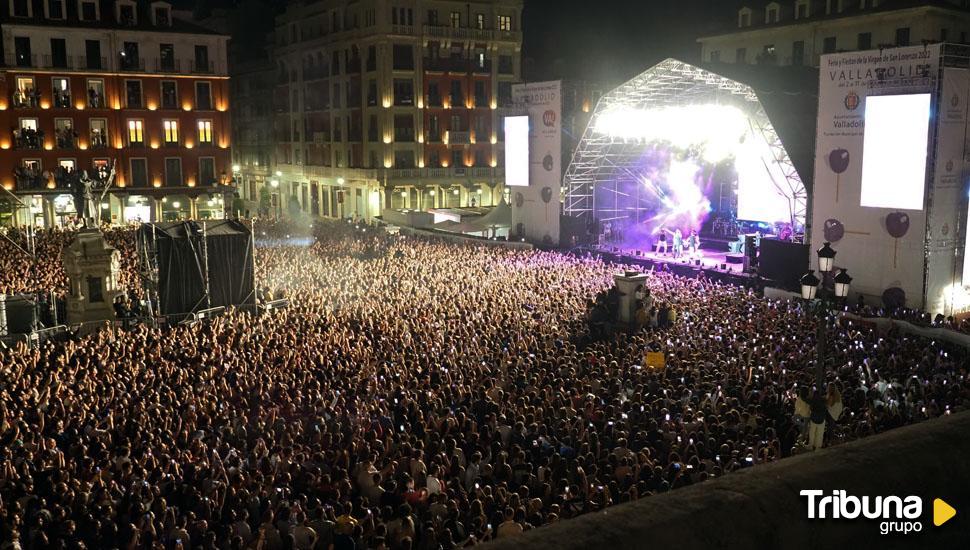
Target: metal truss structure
600, 159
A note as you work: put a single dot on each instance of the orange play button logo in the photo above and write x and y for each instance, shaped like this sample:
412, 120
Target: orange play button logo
942, 512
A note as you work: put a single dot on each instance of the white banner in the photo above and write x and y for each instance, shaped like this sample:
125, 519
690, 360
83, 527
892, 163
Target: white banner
535, 209
948, 201
882, 248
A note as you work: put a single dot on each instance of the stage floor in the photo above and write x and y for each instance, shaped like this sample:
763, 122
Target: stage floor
709, 259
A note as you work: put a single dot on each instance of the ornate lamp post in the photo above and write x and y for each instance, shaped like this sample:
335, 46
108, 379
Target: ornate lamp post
819, 300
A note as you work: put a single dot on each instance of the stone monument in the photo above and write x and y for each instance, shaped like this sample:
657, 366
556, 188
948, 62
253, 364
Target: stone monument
92, 266
628, 283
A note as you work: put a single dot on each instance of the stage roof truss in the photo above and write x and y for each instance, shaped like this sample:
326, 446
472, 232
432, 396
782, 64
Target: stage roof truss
598, 157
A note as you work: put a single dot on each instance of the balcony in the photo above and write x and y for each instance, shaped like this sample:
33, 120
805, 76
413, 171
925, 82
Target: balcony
65, 138
26, 138
21, 60
131, 63
165, 65
27, 179
25, 99
202, 67
444, 173
405, 30
454, 138
448, 32
98, 140
404, 135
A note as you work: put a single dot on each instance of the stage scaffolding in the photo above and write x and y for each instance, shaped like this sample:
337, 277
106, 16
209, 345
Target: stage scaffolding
601, 159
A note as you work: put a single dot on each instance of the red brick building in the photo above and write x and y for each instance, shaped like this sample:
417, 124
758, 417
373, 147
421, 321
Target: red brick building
87, 84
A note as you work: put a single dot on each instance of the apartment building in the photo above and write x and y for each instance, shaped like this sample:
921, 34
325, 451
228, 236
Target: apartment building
392, 104
798, 32
91, 84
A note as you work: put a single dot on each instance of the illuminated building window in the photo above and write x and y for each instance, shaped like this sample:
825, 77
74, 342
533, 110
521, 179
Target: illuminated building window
136, 132
171, 130
205, 132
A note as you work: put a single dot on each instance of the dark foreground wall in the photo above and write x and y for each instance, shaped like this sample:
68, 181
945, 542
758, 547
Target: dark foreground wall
761, 508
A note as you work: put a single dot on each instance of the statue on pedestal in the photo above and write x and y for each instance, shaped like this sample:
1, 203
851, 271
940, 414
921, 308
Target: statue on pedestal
88, 197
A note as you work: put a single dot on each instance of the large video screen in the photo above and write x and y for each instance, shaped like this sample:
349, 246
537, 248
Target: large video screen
517, 151
894, 151
759, 197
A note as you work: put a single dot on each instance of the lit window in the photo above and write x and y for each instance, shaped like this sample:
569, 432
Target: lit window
205, 131
171, 128
136, 132
504, 23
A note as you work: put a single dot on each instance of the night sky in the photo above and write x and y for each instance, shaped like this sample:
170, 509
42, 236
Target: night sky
613, 40
606, 41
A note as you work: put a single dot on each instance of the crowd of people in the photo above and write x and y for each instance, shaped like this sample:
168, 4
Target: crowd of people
423, 395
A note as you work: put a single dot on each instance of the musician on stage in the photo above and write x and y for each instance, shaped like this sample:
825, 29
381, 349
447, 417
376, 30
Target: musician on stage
694, 242
662, 242
678, 243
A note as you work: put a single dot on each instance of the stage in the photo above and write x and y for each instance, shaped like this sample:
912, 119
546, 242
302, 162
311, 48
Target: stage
713, 264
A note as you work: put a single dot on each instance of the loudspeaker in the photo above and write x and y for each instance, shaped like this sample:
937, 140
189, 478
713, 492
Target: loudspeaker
17, 314
750, 249
724, 267
639, 253
697, 262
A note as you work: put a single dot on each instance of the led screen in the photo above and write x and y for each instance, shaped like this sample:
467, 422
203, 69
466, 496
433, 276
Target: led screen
894, 151
759, 197
517, 151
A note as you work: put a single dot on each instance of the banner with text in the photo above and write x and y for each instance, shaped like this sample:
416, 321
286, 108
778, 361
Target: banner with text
881, 244
535, 208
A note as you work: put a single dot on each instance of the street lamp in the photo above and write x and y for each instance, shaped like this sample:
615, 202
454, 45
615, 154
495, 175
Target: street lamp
275, 184
236, 168
813, 287
842, 282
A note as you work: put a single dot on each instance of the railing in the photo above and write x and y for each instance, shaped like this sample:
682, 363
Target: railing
22, 60
29, 181
441, 173
444, 31
99, 141
28, 139
25, 99
406, 30
202, 67
163, 65
458, 137
433, 101
95, 62
131, 63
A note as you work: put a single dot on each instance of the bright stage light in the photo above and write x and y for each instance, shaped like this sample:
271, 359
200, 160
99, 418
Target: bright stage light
716, 129
680, 201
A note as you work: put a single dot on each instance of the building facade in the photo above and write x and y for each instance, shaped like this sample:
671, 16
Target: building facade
90, 85
798, 32
252, 86
392, 104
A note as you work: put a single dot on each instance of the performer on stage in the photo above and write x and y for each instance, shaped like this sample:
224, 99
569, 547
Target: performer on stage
678, 244
662, 242
694, 242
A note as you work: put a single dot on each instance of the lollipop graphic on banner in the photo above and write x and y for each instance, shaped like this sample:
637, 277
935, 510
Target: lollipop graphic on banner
839, 163
897, 224
833, 230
